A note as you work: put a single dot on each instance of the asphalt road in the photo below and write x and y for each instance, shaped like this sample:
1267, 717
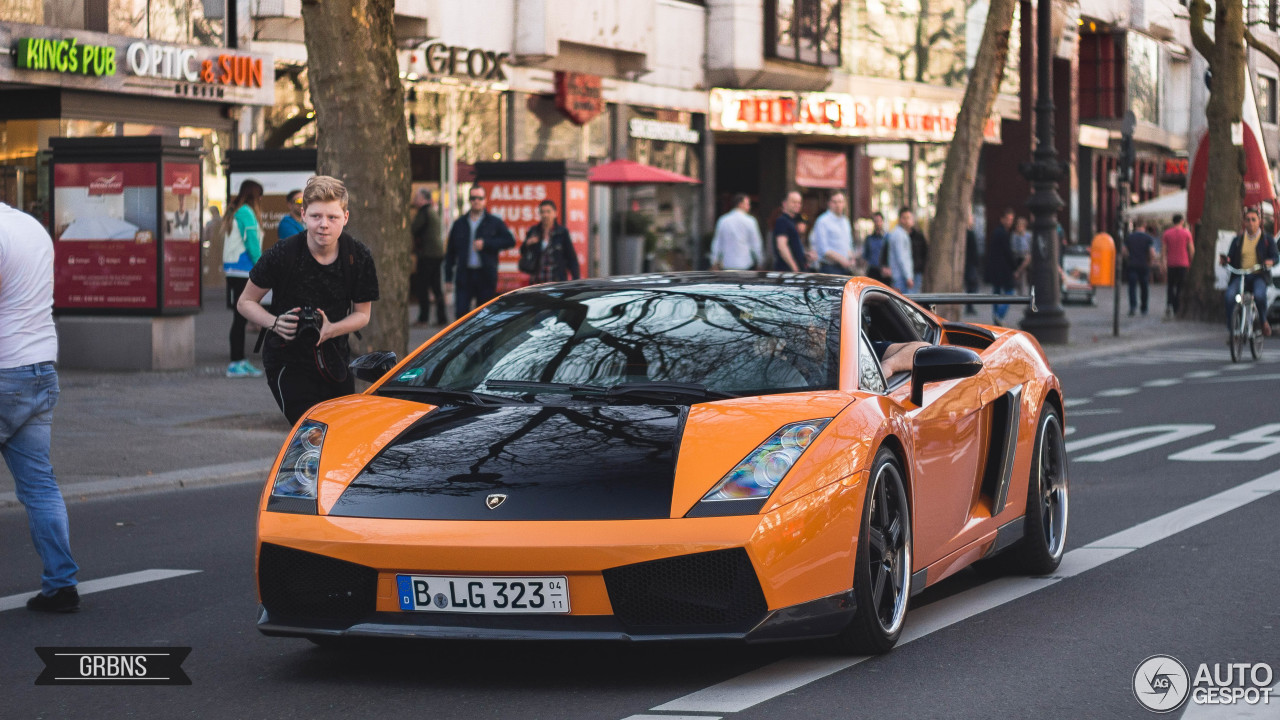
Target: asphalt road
1202, 589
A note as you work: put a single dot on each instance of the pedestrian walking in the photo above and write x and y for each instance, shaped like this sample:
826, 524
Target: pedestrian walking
28, 394
1001, 263
875, 250
472, 254
328, 281
1139, 254
291, 224
832, 238
1179, 249
1251, 247
428, 253
736, 244
241, 248
919, 255
1021, 243
788, 247
972, 262
901, 264
547, 253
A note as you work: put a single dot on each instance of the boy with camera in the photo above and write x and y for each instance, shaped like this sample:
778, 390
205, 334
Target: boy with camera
327, 281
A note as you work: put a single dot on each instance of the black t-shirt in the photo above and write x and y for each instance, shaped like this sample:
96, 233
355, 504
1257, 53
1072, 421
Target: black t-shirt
1139, 245
785, 226
290, 271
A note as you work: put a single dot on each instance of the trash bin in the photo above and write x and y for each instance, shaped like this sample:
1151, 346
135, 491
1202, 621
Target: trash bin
1102, 261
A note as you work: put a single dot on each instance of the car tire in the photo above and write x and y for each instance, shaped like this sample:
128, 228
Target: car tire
882, 572
1045, 525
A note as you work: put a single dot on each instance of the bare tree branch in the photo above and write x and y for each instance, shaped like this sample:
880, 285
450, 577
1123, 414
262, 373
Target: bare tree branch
1204, 44
1272, 54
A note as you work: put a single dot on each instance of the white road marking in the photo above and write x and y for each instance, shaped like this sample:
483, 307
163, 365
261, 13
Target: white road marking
1161, 382
1246, 378
673, 717
1096, 411
784, 676
1076, 402
1236, 711
1200, 374
107, 583
1262, 442
1161, 435
1163, 357
1117, 392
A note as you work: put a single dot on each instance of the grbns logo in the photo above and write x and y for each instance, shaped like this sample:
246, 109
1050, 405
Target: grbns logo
1161, 683
82, 666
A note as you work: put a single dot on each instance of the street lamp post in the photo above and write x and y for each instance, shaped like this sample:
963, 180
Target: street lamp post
1048, 323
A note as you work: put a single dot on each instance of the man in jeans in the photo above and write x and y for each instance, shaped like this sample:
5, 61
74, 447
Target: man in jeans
28, 392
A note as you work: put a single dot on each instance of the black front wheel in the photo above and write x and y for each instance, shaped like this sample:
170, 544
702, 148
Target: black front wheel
882, 574
1237, 333
1045, 524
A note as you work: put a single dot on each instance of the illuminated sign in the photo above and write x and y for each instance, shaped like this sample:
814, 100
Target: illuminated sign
889, 117
171, 62
65, 56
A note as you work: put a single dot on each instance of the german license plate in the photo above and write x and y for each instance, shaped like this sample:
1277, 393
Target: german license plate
511, 595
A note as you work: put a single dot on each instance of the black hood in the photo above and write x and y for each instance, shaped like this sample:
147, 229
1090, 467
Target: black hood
577, 462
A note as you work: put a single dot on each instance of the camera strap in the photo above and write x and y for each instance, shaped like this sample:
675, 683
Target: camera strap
346, 261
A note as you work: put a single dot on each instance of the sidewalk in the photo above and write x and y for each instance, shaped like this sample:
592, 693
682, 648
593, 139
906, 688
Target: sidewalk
127, 431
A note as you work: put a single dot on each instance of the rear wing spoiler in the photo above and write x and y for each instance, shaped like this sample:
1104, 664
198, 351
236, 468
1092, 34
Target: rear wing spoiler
932, 300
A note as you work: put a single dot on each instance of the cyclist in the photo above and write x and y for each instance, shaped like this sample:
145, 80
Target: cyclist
1248, 249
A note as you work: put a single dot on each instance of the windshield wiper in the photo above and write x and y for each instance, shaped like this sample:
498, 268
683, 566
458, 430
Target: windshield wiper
665, 390
534, 387
449, 394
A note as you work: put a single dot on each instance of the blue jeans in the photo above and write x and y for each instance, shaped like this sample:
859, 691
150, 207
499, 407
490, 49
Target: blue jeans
1258, 283
999, 311
1139, 279
27, 396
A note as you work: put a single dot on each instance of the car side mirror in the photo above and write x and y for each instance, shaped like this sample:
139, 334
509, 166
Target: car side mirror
935, 363
373, 366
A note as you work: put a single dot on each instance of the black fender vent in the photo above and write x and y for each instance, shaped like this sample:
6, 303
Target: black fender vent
303, 585
707, 592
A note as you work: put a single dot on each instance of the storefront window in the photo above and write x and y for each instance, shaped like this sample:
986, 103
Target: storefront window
22, 11
806, 31
546, 134
926, 41
1144, 77
187, 22
469, 118
888, 186
929, 161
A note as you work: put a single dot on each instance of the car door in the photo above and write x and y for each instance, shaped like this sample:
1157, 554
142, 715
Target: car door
947, 436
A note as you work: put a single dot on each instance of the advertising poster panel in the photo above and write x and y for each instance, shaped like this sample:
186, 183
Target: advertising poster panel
516, 202
576, 219
105, 235
182, 223
273, 205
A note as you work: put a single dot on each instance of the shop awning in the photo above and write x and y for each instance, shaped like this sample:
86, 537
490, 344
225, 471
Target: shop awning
630, 172
1161, 208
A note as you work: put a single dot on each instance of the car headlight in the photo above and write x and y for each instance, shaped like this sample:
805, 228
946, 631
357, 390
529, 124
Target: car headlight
760, 472
299, 471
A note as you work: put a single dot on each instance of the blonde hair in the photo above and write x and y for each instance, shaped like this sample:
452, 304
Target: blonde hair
323, 188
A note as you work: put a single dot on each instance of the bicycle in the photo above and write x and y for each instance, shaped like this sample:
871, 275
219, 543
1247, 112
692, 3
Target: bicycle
1242, 323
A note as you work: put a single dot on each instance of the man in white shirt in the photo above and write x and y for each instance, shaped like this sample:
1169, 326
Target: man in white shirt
737, 244
29, 388
832, 238
900, 263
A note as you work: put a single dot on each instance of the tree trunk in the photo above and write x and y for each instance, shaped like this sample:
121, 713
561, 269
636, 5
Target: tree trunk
362, 140
945, 270
1224, 191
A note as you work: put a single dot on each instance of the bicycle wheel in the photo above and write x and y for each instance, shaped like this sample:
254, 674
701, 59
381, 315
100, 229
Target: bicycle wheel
1255, 338
1237, 333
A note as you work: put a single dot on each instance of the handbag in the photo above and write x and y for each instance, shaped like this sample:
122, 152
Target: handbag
528, 258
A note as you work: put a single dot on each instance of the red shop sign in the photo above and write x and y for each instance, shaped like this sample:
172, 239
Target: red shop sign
579, 96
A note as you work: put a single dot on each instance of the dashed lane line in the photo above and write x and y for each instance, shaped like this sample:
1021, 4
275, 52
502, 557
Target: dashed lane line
755, 687
107, 583
1117, 392
1161, 382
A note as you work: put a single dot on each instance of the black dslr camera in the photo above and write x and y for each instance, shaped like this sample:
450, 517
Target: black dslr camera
309, 321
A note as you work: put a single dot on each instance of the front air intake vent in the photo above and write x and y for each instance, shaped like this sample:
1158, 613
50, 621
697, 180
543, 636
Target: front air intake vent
302, 585
707, 592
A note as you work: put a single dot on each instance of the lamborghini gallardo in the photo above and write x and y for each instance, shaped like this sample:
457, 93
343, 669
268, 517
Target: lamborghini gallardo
737, 456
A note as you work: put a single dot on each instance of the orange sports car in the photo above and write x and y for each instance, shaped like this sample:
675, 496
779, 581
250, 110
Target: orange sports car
757, 456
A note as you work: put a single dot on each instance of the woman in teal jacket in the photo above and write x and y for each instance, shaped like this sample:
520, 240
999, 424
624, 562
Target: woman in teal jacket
241, 248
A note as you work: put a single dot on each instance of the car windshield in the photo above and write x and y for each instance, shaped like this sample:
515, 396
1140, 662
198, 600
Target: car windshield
699, 341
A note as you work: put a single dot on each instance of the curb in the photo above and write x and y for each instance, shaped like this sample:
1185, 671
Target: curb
207, 476
1120, 346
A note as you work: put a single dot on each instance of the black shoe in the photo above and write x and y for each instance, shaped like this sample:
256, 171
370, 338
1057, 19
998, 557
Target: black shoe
1131, 312
65, 600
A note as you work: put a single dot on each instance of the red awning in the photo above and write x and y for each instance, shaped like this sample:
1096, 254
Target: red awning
630, 172
1257, 178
